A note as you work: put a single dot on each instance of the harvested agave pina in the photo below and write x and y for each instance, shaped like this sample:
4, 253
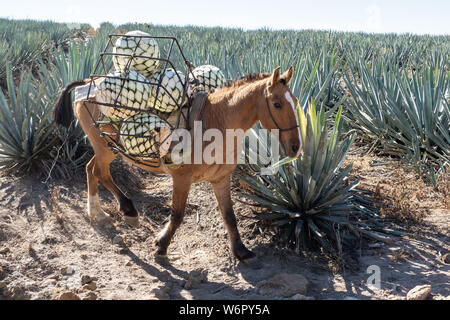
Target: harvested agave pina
145, 136
146, 47
210, 77
134, 94
172, 82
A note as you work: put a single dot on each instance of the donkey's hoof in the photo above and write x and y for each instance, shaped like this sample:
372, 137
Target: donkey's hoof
160, 257
242, 253
247, 258
131, 221
159, 251
101, 217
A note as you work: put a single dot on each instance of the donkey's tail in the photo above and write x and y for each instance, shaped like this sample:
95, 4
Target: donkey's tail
63, 112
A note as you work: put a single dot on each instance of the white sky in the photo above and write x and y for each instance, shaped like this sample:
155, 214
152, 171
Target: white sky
381, 16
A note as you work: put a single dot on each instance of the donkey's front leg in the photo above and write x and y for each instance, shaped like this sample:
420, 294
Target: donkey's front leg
179, 197
222, 192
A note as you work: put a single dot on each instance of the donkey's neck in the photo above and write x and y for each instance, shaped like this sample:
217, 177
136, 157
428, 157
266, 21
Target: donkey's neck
235, 107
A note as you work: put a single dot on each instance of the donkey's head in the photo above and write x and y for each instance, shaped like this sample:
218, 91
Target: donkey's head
279, 110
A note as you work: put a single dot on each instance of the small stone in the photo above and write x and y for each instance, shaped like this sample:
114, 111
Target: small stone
446, 258
299, 296
196, 277
90, 286
186, 294
350, 298
90, 296
68, 296
48, 282
129, 263
52, 255
419, 292
85, 279
14, 292
160, 294
167, 287
84, 256
284, 284
118, 240
67, 271
130, 288
4, 250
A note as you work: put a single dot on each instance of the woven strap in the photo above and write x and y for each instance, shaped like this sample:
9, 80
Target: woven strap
196, 109
194, 114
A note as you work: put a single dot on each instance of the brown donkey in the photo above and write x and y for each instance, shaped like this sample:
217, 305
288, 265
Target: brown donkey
257, 97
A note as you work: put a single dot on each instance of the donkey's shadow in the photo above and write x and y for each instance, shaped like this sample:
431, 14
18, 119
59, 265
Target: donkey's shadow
208, 290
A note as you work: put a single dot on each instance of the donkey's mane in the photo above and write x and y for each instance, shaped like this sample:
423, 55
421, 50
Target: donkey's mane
246, 79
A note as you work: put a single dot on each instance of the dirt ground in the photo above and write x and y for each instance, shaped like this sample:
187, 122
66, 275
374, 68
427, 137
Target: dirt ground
49, 247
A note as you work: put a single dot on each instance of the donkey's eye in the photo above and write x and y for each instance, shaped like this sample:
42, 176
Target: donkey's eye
277, 105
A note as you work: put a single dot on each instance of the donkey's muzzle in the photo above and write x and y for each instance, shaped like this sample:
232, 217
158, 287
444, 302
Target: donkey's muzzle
293, 148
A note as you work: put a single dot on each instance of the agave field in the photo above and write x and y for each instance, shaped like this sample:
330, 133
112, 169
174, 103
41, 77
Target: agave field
386, 93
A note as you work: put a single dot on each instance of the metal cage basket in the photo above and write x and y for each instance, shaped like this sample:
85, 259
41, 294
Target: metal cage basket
148, 134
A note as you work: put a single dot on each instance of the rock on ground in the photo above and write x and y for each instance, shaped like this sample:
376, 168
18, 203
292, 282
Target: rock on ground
90, 296
284, 284
160, 294
446, 258
196, 277
419, 292
68, 296
118, 239
90, 286
85, 279
299, 296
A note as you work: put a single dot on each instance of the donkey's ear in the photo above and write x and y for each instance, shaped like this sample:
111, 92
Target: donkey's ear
287, 76
275, 76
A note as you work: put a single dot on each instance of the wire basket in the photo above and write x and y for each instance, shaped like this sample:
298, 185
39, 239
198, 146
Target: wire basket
148, 130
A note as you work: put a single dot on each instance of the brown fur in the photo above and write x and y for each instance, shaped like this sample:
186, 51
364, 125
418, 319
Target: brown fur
246, 79
237, 106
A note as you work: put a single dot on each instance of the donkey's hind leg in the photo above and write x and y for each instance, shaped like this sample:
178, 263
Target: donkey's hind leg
98, 169
95, 211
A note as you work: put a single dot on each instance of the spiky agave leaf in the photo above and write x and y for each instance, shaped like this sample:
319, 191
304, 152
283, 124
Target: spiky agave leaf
25, 126
408, 116
72, 149
311, 195
24, 42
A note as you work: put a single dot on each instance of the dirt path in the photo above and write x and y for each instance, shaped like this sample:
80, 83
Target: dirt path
50, 247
